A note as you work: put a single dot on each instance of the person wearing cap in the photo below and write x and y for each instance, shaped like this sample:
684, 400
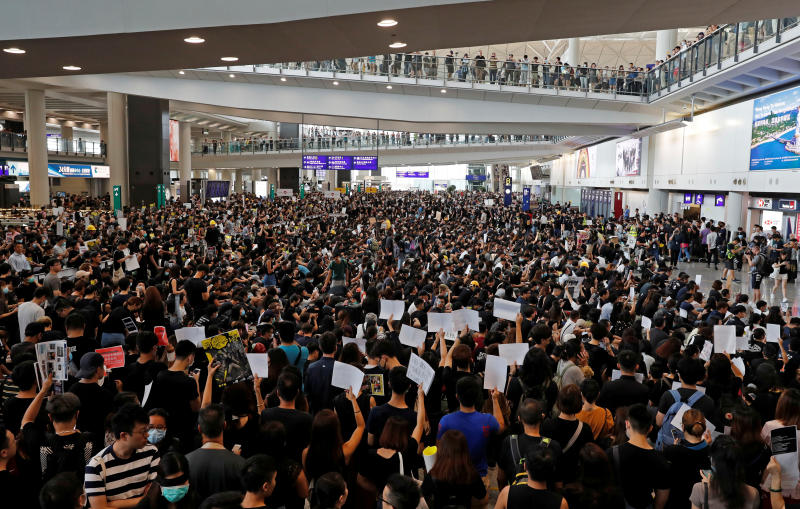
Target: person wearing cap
95, 398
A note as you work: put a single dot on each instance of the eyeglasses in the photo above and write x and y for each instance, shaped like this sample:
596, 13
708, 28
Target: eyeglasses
383, 500
157, 426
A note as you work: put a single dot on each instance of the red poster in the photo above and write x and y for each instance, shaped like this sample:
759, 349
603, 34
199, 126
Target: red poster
113, 357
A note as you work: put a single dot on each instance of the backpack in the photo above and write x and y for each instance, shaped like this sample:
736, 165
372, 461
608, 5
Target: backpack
520, 473
668, 432
57, 456
762, 265
563, 367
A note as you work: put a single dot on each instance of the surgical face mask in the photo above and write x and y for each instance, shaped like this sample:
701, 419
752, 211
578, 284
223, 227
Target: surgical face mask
174, 493
101, 381
5, 289
31, 280
155, 436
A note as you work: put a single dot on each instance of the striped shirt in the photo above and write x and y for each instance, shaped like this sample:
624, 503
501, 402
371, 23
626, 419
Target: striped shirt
121, 479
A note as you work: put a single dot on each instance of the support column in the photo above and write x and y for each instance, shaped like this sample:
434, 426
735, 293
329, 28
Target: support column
66, 139
657, 202
573, 52
185, 159
665, 41
735, 204
37, 147
272, 176
148, 154
117, 147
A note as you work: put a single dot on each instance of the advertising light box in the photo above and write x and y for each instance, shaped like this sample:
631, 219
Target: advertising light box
775, 135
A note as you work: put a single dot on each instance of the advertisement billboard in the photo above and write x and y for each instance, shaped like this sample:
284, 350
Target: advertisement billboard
174, 141
61, 170
586, 163
629, 158
775, 135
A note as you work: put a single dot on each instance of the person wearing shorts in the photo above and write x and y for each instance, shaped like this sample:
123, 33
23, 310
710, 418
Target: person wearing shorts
781, 273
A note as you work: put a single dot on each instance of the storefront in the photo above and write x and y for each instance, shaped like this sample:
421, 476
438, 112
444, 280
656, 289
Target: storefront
66, 178
691, 205
780, 212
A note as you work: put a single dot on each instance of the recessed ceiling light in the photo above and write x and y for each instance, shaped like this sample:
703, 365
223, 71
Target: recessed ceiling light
398, 45
283, 79
388, 22
231, 75
335, 82
194, 40
14, 51
388, 87
71, 68
181, 72
444, 91
229, 59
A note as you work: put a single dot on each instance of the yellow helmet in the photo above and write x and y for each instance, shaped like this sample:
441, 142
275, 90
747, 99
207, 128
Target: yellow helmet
584, 263
91, 227
213, 223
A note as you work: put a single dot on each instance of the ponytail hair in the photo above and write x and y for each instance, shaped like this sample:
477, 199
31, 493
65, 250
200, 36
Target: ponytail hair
694, 423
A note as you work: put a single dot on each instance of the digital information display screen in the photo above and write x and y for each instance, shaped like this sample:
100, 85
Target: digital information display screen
315, 162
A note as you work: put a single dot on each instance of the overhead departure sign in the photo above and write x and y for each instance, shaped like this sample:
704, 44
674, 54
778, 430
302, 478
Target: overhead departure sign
320, 162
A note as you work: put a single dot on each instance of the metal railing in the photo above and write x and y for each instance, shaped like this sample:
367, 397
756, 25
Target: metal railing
728, 44
370, 141
512, 73
16, 142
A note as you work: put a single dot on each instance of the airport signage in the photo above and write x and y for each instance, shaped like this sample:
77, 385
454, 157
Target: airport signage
317, 162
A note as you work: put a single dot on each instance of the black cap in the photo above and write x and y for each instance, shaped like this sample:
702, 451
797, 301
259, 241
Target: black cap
89, 364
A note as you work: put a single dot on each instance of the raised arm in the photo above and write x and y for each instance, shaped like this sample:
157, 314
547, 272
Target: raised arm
33, 409
349, 447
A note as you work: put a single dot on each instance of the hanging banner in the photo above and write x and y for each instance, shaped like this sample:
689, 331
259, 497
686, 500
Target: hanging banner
526, 198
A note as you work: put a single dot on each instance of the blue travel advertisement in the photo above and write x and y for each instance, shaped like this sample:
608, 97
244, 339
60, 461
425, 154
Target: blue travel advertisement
775, 138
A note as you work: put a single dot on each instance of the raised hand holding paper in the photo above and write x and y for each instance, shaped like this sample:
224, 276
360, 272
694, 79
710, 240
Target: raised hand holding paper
438, 321
393, 308
725, 339
193, 334
468, 317
420, 372
514, 352
773, 333
411, 336
346, 376
506, 309
259, 364
496, 373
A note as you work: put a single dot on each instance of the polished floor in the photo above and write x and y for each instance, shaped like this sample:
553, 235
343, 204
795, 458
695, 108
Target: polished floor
708, 275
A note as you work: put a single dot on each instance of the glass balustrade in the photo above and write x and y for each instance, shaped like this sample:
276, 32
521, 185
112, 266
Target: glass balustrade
350, 142
16, 142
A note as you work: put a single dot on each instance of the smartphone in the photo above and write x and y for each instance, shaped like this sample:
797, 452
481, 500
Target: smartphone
675, 434
196, 371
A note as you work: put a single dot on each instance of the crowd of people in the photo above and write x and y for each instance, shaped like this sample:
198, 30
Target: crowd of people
617, 394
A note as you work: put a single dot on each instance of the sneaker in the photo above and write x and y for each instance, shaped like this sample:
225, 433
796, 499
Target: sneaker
784, 300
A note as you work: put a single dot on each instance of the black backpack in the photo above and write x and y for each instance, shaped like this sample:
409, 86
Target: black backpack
57, 455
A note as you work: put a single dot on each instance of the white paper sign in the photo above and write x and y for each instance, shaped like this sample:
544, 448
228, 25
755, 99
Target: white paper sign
617, 374
259, 364
147, 389
412, 336
123, 223
784, 448
360, 342
514, 352
646, 323
131, 263
698, 278
683, 313
773, 333
420, 372
393, 308
725, 339
577, 290
743, 342
346, 376
708, 347
468, 317
631, 293
438, 321
193, 334
506, 309
496, 372
739, 363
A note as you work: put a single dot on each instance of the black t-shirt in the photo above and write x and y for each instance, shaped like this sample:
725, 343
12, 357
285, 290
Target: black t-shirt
140, 374
506, 459
95, 406
377, 469
640, 471
442, 494
80, 345
380, 414
625, 391
562, 431
704, 404
297, 425
685, 461
524, 497
14, 410
195, 288
599, 359
174, 391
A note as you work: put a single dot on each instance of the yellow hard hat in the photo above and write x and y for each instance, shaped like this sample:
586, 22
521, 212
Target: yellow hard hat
91, 227
584, 263
213, 223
